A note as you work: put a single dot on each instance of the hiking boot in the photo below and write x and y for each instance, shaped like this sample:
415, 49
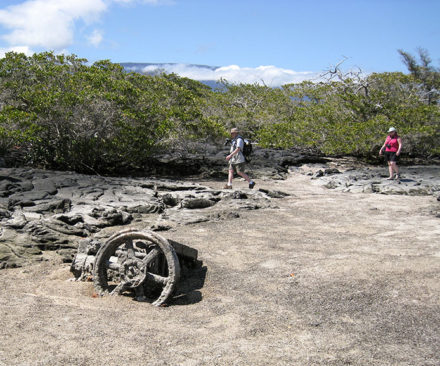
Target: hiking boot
227, 187
251, 185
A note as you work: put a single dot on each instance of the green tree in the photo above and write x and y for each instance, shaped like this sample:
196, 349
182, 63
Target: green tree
425, 72
61, 113
67, 115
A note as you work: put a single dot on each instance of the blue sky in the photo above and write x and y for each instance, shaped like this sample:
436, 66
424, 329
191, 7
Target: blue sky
275, 41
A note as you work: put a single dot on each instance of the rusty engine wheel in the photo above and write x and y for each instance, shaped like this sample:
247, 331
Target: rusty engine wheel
139, 261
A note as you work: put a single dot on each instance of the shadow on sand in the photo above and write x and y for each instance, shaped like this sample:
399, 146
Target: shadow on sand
188, 288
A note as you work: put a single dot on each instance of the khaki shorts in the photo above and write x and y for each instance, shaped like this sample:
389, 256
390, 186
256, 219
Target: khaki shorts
238, 168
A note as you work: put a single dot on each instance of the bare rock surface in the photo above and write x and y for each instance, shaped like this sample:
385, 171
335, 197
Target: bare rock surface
324, 277
338, 175
44, 211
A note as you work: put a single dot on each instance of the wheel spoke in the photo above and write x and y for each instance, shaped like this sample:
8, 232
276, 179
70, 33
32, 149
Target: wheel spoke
160, 280
118, 289
150, 256
130, 249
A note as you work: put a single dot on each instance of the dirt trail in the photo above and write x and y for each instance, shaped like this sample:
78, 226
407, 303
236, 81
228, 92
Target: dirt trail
328, 278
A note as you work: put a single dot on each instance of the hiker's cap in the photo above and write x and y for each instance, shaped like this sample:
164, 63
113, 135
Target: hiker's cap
234, 130
392, 129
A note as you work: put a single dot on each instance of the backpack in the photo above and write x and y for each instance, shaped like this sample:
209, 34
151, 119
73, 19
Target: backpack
247, 148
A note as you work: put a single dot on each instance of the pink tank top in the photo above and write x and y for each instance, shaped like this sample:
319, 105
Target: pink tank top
391, 144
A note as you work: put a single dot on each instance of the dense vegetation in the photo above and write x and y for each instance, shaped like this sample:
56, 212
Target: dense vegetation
58, 112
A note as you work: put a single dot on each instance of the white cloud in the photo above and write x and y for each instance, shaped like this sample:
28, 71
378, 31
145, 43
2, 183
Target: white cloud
264, 75
19, 49
151, 2
47, 23
95, 38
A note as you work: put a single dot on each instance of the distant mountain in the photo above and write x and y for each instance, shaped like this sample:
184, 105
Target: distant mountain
157, 68
267, 75
212, 84
139, 66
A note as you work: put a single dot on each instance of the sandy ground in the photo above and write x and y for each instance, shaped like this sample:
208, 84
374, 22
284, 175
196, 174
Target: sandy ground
328, 278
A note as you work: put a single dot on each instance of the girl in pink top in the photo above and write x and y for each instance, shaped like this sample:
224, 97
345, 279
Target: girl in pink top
392, 146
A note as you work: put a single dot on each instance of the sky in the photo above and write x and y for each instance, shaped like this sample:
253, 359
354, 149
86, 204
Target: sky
273, 42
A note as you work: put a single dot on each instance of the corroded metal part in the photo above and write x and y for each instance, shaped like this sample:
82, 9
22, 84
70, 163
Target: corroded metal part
82, 266
137, 260
140, 261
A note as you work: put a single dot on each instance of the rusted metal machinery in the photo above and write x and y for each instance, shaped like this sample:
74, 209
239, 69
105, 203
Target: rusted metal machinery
138, 261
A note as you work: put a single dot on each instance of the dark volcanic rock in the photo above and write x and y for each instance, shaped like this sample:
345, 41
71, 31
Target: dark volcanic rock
52, 211
11, 185
55, 206
170, 200
274, 194
18, 221
414, 180
26, 199
193, 203
4, 214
